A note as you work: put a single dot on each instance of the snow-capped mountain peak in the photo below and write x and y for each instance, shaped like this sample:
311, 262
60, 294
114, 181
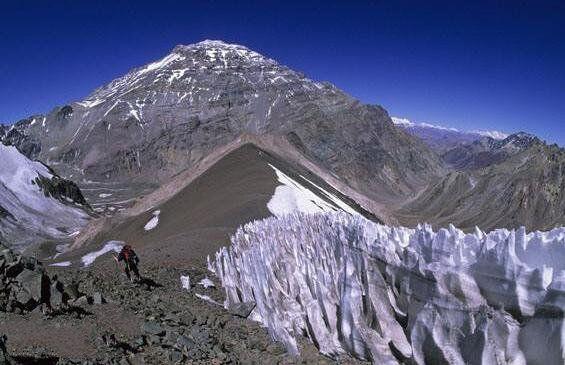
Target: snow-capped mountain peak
520, 140
492, 134
402, 122
189, 69
217, 49
406, 123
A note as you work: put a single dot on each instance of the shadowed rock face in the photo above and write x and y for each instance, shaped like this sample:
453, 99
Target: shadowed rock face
25, 143
164, 117
61, 189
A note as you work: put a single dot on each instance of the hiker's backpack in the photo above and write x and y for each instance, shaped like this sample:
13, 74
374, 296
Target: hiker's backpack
129, 254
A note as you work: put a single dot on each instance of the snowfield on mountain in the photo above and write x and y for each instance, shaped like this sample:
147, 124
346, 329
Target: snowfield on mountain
28, 210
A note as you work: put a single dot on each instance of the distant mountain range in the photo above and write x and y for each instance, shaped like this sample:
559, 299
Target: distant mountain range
441, 138
496, 179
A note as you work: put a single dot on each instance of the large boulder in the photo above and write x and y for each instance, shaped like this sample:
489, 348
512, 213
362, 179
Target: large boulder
242, 310
24, 285
32, 282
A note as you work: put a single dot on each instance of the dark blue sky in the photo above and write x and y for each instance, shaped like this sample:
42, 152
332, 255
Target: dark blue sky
472, 64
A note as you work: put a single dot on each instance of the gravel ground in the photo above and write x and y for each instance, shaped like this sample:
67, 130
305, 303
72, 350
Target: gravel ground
153, 322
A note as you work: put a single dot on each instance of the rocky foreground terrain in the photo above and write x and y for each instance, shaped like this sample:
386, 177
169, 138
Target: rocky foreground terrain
56, 316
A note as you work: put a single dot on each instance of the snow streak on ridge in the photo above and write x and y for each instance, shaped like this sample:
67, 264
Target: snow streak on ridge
405, 123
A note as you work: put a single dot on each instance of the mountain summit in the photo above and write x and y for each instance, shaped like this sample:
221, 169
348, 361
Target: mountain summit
201, 101
165, 117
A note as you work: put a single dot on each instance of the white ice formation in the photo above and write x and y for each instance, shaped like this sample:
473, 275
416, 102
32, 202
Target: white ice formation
398, 295
185, 282
206, 283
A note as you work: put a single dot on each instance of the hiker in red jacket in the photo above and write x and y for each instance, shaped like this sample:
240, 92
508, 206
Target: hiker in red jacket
128, 256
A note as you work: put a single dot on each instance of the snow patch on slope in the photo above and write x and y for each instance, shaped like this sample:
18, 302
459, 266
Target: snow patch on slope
161, 63
115, 246
206, 283
153, 221
293, 196
61, 264
91, 103
207, 299
18, 172
185, 282
29, 208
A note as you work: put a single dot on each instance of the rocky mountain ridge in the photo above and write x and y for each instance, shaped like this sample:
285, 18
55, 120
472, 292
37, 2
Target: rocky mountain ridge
487, 151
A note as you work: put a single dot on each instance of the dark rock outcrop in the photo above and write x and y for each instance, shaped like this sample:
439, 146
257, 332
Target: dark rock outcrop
242, 310
17, 136
61, 189
5, 214
24, 284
